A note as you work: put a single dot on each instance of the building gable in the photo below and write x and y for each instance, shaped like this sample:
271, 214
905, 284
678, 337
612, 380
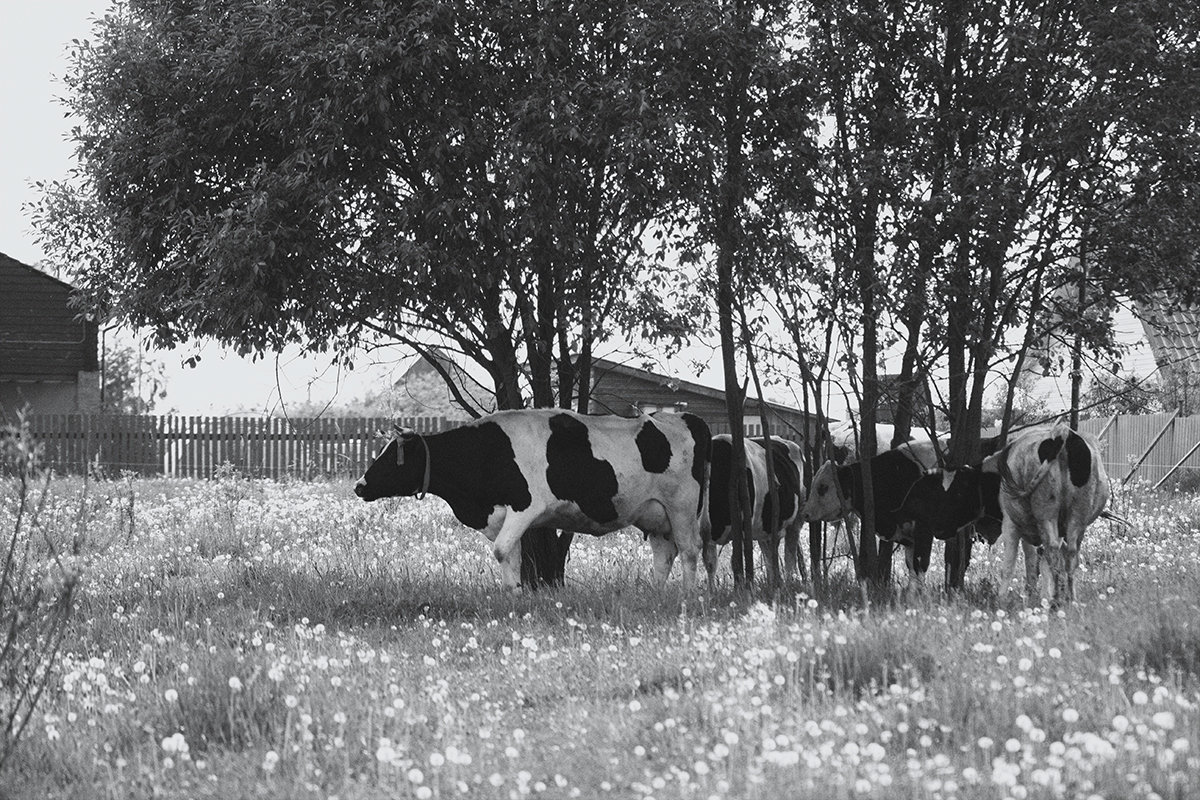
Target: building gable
41, 337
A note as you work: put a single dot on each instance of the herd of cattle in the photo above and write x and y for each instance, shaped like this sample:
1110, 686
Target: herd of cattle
668, 476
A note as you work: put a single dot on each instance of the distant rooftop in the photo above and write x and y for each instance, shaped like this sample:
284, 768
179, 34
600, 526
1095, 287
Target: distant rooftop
1174, 337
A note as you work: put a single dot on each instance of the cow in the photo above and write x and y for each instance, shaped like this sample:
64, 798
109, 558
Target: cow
764, 526
509, 471
845, 437
943, 502
1052, 486
837, 491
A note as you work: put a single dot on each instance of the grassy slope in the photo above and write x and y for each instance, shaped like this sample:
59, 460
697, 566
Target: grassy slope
374, 655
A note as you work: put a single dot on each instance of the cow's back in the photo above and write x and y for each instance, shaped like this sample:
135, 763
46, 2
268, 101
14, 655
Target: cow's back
612, 468
1052, 472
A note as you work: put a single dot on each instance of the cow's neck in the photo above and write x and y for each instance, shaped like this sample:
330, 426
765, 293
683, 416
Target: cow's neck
454, 476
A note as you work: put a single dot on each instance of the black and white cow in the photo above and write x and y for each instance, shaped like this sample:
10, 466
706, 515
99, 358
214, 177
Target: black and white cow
837, 492
507, 472
765, 527
944, 501
1052, 486
845, 437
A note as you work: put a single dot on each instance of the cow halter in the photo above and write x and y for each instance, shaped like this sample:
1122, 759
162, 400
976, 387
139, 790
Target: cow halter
408, 433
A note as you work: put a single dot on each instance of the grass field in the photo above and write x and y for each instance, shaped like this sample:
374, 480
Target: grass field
243, 639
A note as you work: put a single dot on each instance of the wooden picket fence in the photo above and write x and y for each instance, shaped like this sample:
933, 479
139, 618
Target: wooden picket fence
1161, 449
195, 447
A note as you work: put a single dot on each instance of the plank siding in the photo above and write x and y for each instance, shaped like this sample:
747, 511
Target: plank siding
41, 336
623, 390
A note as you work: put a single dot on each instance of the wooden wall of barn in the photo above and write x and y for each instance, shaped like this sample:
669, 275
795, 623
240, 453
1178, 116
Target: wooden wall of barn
40, 335
622, 393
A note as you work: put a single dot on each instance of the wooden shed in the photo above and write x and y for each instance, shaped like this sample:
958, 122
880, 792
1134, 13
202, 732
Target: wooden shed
625, 390
48, 353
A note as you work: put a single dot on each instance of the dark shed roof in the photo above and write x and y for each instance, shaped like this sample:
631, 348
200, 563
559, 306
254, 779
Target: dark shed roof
622, 389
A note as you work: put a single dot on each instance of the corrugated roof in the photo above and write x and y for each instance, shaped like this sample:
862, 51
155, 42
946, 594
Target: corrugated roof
678, 384
1174, 336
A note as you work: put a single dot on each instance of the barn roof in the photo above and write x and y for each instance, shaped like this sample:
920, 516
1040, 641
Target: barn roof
602, 365
1173, 334
11, 263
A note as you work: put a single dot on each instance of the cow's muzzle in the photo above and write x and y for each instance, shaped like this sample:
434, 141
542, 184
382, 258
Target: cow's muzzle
360, 489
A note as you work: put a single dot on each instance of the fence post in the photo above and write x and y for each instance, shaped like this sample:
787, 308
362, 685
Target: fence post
1178, 464
1153, 444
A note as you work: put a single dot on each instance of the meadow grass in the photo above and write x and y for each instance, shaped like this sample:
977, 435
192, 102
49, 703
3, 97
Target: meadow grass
278, 640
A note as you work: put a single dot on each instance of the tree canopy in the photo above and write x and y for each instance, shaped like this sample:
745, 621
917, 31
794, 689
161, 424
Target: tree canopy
329, 172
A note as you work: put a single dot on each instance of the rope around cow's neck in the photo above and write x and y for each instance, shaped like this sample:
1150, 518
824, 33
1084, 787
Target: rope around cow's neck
406, 433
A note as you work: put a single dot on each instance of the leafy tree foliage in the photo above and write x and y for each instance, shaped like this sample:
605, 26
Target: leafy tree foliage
322, 172
1123, 394
134, 381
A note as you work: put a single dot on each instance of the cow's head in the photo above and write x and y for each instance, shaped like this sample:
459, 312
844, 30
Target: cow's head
827, 499
400, 469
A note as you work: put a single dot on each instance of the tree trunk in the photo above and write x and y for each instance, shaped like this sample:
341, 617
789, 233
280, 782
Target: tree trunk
864, 258
543, 550
727, 226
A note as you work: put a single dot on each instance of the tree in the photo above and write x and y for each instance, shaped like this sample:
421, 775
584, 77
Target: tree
476, 175
133, 381
732, 74
972, 151
1123, 394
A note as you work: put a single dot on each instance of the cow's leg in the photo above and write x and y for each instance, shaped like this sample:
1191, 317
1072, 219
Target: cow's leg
916, 577
710, 555
664, 556
1072, 540
507, 548
917, 555
1010, 537
1055, 555
689, 542
793, 565
510, 567
769, 547
1033, 561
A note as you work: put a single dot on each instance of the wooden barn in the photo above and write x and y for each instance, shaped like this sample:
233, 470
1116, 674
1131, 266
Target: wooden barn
48, 355
625, 390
